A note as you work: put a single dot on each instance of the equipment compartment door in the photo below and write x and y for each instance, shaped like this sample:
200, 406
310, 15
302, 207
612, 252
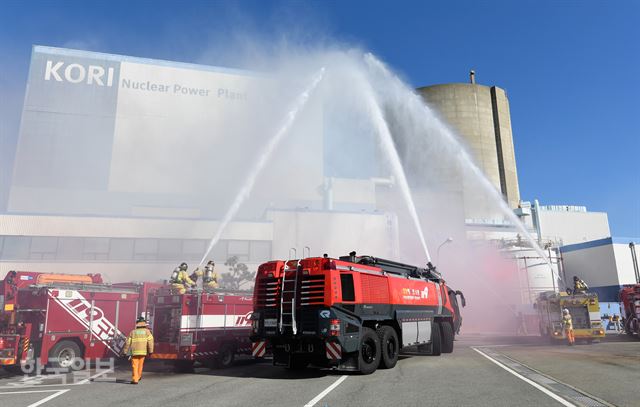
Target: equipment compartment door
167, 323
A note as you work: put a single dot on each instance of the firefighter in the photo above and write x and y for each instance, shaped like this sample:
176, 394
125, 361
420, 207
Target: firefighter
522, 325
139, 344
579, 286
616, 322
180, 280
567, 324
210, 279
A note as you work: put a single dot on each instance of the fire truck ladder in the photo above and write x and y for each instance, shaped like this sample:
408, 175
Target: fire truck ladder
292, 313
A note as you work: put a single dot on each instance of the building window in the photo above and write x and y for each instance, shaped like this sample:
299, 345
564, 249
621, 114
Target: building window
16, 247
146, 249
239, 248
192, 250
96, 248
219, 253
121, 249
43, 248
169, 249
260, 251
70, 248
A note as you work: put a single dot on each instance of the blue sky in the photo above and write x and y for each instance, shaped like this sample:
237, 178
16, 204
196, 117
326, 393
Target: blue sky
571, 68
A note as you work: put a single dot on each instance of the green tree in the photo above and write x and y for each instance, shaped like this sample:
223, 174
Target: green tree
239, 275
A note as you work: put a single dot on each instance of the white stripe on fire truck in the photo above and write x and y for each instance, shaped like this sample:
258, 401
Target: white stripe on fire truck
214, 321
117, 338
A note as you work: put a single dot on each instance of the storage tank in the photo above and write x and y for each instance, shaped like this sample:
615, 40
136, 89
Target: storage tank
535, 273
480, 114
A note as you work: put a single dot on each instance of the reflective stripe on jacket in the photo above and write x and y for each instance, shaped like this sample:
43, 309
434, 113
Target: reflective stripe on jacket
139, 342
567, 322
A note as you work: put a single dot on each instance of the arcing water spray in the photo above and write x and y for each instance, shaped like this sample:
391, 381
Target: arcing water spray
269, 149
415, 106
389, 148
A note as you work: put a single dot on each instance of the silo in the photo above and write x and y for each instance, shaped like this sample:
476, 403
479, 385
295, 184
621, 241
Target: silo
480, 114
536, 274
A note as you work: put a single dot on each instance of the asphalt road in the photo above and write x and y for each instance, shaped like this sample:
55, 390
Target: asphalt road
481, 372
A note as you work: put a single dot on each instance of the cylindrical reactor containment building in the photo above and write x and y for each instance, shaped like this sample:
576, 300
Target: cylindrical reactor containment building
480, 114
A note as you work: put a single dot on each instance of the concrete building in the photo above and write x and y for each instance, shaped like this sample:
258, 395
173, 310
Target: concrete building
560, 225
480, 114
99, 182
604, 264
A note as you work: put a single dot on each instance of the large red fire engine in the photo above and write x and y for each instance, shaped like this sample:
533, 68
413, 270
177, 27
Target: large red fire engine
351, 313
630, 298
201, 325
62, 318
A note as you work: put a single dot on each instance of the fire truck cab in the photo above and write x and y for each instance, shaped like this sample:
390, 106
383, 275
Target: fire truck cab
209, 326
352, 313
63, 319
585, 314
630, 298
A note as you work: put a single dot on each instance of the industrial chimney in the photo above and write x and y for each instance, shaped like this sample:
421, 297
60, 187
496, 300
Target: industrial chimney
472, 77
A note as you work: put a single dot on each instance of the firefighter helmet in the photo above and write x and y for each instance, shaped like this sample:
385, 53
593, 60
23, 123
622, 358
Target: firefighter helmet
141, 319
183, 266
565, 311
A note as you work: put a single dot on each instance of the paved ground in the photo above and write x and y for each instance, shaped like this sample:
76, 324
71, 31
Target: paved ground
481, 372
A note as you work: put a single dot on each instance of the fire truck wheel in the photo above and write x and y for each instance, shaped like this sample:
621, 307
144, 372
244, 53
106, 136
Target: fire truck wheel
388, 346
369, 352
64, 354
447, 337
436, 339
225, 357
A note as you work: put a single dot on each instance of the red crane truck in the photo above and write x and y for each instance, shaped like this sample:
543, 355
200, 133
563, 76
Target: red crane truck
209, 326
63, 319
630, 298
352, 313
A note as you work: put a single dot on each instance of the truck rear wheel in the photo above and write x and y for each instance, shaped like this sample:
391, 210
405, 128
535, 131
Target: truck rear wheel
369, 352
389, 348
225, 357
447, 337
64, 354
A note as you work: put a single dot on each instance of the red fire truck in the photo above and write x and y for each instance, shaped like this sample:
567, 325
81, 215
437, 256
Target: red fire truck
352, 313
201, 325
62, 319
630, 298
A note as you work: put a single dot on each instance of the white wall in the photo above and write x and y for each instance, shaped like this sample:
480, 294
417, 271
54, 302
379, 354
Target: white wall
573, 227
624, 263
334, 233
595, 265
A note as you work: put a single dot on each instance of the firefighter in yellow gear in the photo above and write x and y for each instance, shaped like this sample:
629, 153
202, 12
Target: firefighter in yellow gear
579, 286
139, 344
210, 279
180, 280
567, 325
